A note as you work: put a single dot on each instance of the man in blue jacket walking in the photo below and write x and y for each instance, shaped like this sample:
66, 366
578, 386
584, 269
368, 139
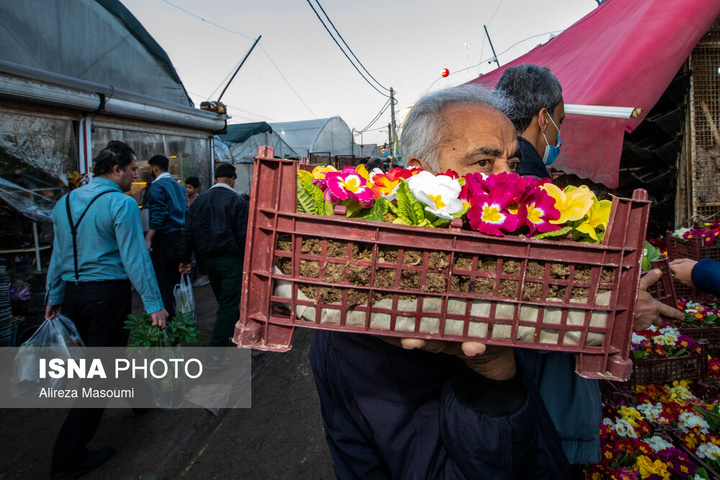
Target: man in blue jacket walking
167, 201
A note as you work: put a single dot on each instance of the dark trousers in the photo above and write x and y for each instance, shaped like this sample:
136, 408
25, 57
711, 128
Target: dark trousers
225, 275
165, 257
99, 310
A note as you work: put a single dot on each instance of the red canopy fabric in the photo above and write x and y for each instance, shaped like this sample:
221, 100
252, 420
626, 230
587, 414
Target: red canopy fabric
624, 54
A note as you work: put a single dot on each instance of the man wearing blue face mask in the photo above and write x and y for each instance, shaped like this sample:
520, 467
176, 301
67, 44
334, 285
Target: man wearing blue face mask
538, 114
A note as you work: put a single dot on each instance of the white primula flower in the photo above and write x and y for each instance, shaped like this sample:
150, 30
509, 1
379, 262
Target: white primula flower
637, 339
624, 429
650, 411
440, 193
658, 443
708, 450
688, 421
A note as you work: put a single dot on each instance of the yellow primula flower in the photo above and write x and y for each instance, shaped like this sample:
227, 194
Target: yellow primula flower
573, 203
362, 171
597, 217
647, 467
319, 172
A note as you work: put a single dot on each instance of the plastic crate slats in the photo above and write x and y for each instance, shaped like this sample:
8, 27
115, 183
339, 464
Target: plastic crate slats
445, 284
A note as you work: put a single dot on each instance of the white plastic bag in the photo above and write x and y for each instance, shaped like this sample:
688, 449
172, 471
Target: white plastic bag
56, 337
184, 299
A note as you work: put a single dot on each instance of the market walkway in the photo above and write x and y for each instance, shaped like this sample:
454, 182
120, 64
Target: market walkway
280, 437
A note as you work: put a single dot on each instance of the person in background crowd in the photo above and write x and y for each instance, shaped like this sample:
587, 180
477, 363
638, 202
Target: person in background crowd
192, 187
703, 275
537, 114
374, 163
167, 202
215, 231
574, 403
409, 408
89, 279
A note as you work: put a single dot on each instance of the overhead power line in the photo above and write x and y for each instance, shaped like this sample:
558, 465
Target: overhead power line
374, 120
348, 47
345, 53
207, 21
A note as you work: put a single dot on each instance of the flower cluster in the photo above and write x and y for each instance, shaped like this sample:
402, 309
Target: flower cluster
630, 450
491, 204
665, 341
708, 232
698, 315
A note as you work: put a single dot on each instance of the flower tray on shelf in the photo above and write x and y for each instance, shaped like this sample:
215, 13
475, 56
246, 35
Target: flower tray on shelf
678, 441
334, 273
669, 369
710, 334
693, 248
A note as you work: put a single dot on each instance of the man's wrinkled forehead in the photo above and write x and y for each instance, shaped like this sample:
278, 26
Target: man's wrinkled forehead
478, 117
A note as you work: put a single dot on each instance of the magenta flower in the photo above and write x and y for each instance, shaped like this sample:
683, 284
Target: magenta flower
349, 184
488, 213
536, 211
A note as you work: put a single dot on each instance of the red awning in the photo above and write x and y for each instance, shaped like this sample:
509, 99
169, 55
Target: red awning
624, 53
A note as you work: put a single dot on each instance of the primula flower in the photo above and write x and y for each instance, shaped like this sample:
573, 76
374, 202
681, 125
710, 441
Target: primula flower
488, 214
348, 184
573, 203
388, 182
537, 211
440, 193
597, 217
648, 467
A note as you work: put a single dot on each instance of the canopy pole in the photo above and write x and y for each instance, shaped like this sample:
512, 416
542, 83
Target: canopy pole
491, 46
239, 67
37, 247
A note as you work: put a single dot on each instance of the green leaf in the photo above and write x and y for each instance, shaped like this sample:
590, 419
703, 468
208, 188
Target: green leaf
649, 255
556, 233
305, 195
376, 212
409, 210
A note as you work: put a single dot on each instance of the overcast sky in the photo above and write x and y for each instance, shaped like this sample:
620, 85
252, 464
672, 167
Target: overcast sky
298, 73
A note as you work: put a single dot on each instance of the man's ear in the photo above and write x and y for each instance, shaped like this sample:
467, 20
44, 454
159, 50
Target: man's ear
543, 121
416, 162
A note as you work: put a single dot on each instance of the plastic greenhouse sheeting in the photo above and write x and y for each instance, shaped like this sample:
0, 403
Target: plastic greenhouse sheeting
93, 40
321, 135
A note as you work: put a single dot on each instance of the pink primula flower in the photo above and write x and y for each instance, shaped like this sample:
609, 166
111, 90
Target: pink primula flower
349, 184
537, 210
488, 213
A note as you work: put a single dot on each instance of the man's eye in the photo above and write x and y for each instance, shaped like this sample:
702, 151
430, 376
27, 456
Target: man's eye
514, 165
482, 163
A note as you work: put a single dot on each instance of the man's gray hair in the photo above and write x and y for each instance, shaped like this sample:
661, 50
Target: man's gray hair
531, 88
422, 130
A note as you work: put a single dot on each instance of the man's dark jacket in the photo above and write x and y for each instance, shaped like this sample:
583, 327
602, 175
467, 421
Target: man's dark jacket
216, 225
531, 162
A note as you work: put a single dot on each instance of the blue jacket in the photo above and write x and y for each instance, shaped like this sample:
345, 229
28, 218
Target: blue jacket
110, 243
394, 413
167, 201
573, 402
706, 276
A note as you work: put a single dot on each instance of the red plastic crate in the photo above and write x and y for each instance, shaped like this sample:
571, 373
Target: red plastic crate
529, 284
694, 249
664, 289
670, 369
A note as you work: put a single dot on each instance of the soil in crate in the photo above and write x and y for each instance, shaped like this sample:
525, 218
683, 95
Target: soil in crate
350, 264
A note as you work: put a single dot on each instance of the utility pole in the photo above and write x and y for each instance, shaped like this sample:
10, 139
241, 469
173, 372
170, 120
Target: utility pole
393, 133
390, 137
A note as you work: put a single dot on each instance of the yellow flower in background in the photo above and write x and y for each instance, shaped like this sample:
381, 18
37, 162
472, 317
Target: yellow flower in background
647, 468
573, 203
597, 217
362, 171
319, 172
